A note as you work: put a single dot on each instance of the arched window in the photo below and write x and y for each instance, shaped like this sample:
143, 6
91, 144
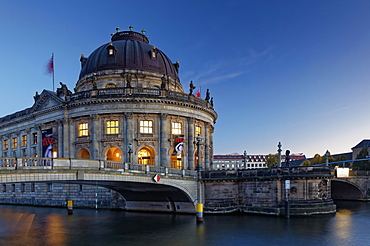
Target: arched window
146, 156
110, 85
113, 154
83, 154
177, 160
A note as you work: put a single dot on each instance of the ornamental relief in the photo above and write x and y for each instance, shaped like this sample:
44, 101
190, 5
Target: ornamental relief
145, 143
323, 189
82, 146
117, 144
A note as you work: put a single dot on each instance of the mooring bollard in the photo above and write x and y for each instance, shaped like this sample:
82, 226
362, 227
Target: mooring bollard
70, 206
199, 212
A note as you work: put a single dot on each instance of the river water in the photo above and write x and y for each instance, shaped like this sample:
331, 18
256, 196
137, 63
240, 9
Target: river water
21, 225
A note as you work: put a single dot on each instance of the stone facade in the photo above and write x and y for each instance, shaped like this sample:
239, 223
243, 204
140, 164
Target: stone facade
265, 192
56, 195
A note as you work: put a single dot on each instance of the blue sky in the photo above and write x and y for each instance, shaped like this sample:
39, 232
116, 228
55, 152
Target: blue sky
290, 71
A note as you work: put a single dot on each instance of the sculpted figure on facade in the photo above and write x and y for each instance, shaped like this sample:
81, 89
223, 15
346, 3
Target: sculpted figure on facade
192, 87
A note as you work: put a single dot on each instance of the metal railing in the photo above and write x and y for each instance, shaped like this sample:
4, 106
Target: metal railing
274, 172
24, 163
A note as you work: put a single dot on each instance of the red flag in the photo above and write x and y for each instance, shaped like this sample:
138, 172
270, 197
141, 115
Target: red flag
50, 67
197, 94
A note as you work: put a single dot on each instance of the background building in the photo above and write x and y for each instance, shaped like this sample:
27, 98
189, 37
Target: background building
236, 161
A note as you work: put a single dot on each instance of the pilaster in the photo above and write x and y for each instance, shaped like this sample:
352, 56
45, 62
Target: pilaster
164, 155
190, 143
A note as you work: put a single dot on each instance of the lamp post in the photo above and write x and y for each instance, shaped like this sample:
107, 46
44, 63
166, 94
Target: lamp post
199, 205
245, 159
129, 152
287, 157
279, 154
327, 157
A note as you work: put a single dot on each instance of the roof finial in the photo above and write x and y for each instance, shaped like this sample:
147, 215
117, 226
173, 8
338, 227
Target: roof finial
117, 29
131, 28
143, 32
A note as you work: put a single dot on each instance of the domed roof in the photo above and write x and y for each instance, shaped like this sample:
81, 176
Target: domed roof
128, 50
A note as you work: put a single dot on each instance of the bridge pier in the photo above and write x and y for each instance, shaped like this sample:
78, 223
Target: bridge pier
263, 191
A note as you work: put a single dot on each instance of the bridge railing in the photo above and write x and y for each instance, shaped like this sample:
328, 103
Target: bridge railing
274, 172
14, 163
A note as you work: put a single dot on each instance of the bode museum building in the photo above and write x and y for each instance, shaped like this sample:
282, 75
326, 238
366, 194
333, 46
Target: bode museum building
128, 105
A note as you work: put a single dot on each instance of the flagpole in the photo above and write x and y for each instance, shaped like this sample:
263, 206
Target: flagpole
52, 58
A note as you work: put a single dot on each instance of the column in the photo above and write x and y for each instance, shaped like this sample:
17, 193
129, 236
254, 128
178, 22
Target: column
190, 143
29, 142
206, 147
60, 138
19, 144
68, 137
39, 141
163, 141
129, 137
96, 131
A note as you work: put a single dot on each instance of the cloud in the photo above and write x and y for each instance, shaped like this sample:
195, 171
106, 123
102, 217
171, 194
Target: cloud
221, 78
218, 71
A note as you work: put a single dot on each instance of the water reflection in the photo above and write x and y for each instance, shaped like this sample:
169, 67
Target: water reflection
343, 224
52, 226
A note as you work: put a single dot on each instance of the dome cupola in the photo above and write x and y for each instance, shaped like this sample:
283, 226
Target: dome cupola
129, 55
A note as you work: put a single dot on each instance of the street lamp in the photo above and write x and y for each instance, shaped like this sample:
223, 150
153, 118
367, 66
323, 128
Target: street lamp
245, 159
279, 154
129, 152
199, 205
327, 157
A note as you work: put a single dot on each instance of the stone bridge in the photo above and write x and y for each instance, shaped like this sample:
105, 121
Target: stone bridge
354, 187
176, 191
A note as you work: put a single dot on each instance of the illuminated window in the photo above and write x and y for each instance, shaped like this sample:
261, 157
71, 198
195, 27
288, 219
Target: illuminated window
24, 140
146, 126
111, 49
198, 131
14, 143
112, 127
176, 128
110, 85
5, 144
83, 129
145, 157
34, 137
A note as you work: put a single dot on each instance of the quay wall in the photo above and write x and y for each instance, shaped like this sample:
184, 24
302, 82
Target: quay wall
264, 191
57, 195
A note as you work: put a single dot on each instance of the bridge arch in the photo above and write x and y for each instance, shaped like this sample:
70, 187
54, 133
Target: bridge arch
140, 193
345, 190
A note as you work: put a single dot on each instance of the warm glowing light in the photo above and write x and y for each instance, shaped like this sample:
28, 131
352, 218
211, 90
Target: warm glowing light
55, 154
117, 154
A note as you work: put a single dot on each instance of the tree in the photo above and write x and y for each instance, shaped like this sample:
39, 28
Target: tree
306, 163
362, 165
341, 158
272, 160
316, 159
330, 159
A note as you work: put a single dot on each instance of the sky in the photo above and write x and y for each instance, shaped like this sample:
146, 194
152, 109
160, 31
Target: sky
295, 72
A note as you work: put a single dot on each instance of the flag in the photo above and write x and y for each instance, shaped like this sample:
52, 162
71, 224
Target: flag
197, 94
50, 66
